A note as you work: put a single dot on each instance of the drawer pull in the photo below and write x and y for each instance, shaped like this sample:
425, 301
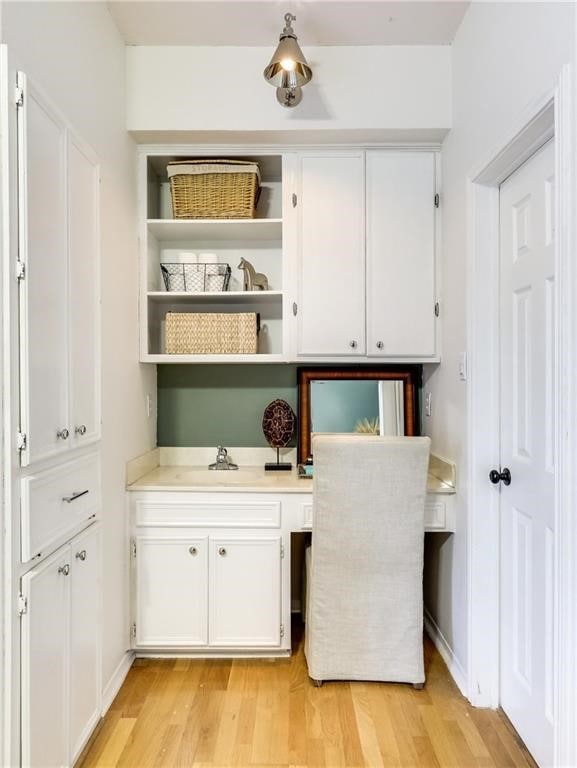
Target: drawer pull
193, 551
63, 434
69, 499
81, 430
81, 555
64, 569
222, 551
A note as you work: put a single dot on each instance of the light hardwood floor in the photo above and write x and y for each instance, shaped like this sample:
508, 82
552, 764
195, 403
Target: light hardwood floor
224, 713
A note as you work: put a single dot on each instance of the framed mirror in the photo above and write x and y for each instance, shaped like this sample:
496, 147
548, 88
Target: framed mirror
376, 400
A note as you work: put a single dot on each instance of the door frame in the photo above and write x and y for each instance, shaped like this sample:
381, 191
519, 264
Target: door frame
550, 118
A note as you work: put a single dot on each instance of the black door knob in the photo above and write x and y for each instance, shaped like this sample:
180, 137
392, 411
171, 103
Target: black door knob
500, 477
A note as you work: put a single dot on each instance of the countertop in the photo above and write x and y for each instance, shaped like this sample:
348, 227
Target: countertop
246, 479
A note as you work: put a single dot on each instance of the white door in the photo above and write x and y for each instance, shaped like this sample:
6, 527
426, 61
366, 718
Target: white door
83, 244
245, 591
171, 591
331, 306
44, 290
527, 203
44, 663
85, 634
400, 253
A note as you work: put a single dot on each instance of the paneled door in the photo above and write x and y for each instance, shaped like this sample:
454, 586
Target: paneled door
43, 286
527, 210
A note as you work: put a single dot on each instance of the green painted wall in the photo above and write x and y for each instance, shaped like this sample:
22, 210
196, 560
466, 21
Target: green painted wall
209, 405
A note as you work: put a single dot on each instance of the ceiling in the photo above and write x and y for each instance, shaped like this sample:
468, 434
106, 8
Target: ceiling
256, 23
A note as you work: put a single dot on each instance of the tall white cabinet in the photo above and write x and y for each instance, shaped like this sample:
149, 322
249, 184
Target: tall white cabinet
58, 271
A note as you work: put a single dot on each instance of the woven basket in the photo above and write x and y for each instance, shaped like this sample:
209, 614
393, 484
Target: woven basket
214, 189
202, 333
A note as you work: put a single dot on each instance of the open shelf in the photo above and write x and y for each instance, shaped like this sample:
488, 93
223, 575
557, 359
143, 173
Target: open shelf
226, 297
220, 230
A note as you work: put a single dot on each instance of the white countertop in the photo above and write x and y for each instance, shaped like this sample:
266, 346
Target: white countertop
246, 479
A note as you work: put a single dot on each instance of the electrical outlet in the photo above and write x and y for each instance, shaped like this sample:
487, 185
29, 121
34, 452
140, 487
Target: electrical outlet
428, 403
148, 406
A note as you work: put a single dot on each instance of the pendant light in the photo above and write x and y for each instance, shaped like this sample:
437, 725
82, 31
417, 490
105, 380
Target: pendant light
288, 69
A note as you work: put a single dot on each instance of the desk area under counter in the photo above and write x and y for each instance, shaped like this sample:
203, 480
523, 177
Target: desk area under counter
211, 564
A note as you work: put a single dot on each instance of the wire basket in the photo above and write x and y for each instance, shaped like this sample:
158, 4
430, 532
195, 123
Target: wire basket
191, 278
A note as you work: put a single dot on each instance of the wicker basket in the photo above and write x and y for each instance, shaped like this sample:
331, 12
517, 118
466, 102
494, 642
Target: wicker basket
214, 189
202, 333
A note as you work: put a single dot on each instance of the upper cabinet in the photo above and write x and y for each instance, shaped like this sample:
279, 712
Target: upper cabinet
367, 255
58, 272
345, 237
331, 292
200, 249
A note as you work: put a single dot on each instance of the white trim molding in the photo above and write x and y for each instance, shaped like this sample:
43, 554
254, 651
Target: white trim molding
446, 652
115, 683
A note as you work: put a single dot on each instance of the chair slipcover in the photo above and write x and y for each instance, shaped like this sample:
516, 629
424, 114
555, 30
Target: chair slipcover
364, 588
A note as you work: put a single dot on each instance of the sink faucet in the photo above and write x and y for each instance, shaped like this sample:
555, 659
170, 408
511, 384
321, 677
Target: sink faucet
222, 460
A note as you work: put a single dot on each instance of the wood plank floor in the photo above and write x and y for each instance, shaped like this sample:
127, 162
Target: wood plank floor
211, 713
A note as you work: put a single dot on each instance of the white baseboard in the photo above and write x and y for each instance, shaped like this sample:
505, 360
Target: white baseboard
115, 682
439, 641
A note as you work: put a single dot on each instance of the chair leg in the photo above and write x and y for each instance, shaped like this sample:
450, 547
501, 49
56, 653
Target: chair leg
316, 683
418, 686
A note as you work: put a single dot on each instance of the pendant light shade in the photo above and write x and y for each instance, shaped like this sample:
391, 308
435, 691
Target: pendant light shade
288, 69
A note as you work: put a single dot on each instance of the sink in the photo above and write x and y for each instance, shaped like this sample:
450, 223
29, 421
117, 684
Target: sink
212, 477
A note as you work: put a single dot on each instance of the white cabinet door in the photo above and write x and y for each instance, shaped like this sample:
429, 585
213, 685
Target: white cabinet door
331, 305
85, 634
400, 253
245, 591
83, 191
44, 662
44, 290
171, 591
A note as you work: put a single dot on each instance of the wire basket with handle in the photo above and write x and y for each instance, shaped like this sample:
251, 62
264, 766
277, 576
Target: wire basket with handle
190, 278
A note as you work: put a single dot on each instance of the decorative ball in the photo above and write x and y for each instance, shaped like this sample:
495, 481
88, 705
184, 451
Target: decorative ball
278, 423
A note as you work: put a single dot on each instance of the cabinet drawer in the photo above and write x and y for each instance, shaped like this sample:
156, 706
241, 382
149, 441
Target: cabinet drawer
209, 514
55, 503
435, 517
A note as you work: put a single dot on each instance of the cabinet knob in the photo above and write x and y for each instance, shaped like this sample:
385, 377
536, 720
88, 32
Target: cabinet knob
64, 569
81, 430
193, 551
81, 555
380, 345
63, 434
222, 551
353, 344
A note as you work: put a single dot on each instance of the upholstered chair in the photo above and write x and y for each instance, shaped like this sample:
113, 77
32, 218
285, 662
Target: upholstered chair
365, 566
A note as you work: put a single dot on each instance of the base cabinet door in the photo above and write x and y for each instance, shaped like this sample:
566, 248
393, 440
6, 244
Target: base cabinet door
44, 639
171, 591
245, 591
85, 628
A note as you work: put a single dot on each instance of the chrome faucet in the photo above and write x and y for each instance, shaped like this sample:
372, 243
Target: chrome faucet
222, 460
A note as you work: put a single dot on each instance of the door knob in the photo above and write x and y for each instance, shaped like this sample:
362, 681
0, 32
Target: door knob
81, 555
63, 434
222, 551
64, 569
380, 345
192, 551
500, 477
81, 430
353, 344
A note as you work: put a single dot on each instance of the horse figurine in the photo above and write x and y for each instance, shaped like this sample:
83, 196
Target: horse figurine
252, 280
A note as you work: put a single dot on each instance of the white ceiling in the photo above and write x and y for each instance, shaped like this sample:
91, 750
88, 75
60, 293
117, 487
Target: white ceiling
319, 22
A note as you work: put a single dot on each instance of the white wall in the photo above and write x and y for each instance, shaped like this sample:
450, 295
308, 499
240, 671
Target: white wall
505, 57
378, 89
74, 53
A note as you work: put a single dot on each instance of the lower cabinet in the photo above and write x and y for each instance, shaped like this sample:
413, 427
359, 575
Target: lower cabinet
60, 646
208, 590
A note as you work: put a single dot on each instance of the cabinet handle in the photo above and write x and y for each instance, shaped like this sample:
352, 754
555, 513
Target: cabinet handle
70, 499
222, 551
193, 551
81, 555
81, 430
64, 569
380, 345
63, 434
353, 344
